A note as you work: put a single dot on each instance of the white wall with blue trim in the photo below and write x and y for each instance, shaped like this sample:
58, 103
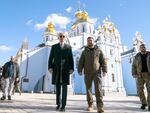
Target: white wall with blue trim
129, 81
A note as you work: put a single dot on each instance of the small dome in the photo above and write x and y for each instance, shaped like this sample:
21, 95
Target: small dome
84, 15
111, 27
100, 29
51, 27
78, 14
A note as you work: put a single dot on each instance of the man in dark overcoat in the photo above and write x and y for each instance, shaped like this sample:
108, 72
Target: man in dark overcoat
61, 65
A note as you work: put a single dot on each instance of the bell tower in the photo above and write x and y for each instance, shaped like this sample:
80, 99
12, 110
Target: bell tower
49, 33
83, 23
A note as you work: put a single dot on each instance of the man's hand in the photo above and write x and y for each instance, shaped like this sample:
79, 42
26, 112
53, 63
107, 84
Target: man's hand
50, 70
71, 71
17, 79
80, 73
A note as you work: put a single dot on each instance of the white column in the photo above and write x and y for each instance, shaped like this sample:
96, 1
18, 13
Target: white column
120, 77
106, 79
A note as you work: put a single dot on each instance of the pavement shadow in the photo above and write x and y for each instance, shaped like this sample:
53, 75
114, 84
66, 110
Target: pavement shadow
6, 101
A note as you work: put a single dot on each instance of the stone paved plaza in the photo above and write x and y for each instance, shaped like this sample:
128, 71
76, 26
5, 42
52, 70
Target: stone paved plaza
45, 103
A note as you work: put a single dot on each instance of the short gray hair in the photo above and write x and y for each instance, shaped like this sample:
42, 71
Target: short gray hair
61, 33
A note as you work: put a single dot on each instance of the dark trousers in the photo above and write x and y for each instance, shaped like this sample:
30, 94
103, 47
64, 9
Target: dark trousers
61, 99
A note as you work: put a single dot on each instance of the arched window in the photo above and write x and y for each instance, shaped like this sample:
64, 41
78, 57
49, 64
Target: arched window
47, 38
90, 29
77, 31
112, 65
83, 28
111, 52
113, 77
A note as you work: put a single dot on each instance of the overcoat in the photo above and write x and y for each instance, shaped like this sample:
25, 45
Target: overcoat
61, 61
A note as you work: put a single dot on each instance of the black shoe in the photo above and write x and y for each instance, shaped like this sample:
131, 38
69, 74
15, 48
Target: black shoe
62, 108
143, 106
148, 108
3, 98
9, 97
58, 106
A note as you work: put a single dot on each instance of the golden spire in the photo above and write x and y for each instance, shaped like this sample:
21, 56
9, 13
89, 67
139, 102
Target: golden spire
79, 3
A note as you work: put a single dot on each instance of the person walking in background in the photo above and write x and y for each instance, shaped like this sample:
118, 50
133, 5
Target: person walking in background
9, 74
16, 86
141, 71
93, 62
61, 65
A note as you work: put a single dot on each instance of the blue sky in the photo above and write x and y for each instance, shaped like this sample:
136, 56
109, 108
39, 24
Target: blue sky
20, 19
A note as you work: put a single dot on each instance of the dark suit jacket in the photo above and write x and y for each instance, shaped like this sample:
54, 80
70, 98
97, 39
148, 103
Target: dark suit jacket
61, 61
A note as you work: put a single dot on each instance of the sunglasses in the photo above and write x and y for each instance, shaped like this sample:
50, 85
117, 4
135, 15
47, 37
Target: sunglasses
142, 46
62, 36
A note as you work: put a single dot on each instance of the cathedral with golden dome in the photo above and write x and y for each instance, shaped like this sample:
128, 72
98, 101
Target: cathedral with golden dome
35, 75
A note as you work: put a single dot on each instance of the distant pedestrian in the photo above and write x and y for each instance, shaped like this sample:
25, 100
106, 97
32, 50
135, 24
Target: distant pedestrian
16, 86
9, 74
141, 71
93, 62
61, 65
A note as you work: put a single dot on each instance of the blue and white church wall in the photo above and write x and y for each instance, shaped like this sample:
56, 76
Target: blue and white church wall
34, 71
129, 81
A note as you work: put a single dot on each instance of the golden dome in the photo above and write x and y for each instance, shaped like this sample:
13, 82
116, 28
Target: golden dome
78, 14
104, 27
51, 27
84, 15
111, 27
